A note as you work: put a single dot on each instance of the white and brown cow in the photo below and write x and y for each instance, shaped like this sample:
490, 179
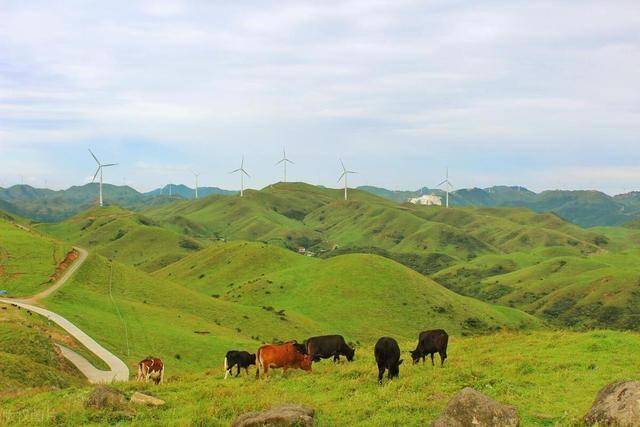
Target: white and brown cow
151, 368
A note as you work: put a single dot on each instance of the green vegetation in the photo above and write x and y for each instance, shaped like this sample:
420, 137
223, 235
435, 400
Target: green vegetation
585, 208
124, 236
550, 377
28, 259
28, 358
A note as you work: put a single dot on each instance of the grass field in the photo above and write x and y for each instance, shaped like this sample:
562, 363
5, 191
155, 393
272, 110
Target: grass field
27, 258
550, 377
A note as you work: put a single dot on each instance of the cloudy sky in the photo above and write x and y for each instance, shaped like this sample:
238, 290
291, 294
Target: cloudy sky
544, 94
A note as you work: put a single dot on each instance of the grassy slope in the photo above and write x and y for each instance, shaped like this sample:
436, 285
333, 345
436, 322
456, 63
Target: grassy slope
359, 295
550, 377
27, 357
27, 259
124, 236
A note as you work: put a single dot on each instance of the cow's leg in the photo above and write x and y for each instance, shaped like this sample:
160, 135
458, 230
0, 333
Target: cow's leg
380, 373
238, 370
284, 371
432, 363
336, 358
246, 370
443, 357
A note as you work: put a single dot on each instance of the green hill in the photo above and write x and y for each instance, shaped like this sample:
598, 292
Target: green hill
585, 208
242, 294
28, 259
124, 236
28, 359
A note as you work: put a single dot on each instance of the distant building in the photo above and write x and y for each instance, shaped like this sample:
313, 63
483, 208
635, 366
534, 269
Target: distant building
427, 199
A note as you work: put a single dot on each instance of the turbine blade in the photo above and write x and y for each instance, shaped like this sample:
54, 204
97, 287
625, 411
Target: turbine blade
94, 176
287, 160
280, 161
443, 182
245, 172
109, 164
235, 171
94, 157
343, 168
343, 174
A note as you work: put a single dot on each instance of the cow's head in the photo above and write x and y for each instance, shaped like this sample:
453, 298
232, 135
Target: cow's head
252, 359
415, 356
305, 362
394, 370
350, 353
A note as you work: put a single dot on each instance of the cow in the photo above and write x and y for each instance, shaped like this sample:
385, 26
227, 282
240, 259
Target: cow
429, 343
241, 359
324, 347
387, 353
285, 356
151, 368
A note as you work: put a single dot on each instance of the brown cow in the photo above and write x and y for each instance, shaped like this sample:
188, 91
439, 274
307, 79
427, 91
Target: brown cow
151, 368
285, 356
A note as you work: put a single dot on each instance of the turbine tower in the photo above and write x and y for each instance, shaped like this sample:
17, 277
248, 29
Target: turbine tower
345, 174
242, 174
284, 162
196, 175
99, 171
447, 186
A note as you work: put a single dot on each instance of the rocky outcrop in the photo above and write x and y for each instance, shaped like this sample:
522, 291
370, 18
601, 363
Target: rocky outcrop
281, 416
103, 397
617, 404
472, 408
144, 399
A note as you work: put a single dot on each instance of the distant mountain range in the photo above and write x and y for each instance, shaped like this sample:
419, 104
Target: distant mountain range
45, 205
587, 208
188, 192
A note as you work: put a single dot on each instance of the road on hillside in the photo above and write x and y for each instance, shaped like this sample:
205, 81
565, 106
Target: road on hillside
119, 371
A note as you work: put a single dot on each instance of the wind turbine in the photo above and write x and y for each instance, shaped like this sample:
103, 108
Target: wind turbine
99, 171
242, 174
284, 162
447, 186
196, 175
345, 174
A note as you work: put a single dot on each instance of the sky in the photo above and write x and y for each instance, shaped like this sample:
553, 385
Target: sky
543, 94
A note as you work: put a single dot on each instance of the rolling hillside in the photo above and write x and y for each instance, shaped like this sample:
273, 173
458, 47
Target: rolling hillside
124, 236
585, 208
28, 259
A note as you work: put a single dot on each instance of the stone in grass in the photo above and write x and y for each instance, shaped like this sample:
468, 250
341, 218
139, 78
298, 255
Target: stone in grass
282, 416
617, 404
145, 399
471, 408
103, 397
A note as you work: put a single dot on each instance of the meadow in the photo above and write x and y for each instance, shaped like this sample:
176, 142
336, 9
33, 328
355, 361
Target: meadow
550, 377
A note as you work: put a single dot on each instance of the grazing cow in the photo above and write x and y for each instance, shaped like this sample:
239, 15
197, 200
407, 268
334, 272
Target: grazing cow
285, 356
241, 359
151, 368
327, 346
387, 354
429, 343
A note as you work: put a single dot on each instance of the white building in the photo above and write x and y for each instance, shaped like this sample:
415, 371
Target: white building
427, 199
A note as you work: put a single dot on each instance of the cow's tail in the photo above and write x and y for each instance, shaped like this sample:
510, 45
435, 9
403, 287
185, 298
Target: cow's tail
258, 363
139, 377
226, 367
161, 375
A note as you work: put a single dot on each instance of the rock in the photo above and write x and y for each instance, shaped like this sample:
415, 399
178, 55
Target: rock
472, 408
281, 416
103, 397
144, 399
617, 404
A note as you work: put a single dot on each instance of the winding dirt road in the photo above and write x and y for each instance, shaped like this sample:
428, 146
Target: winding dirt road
119, 371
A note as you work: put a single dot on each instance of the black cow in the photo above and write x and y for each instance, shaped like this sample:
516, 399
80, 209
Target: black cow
387, 354
327, 346
241, 359
431, 342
